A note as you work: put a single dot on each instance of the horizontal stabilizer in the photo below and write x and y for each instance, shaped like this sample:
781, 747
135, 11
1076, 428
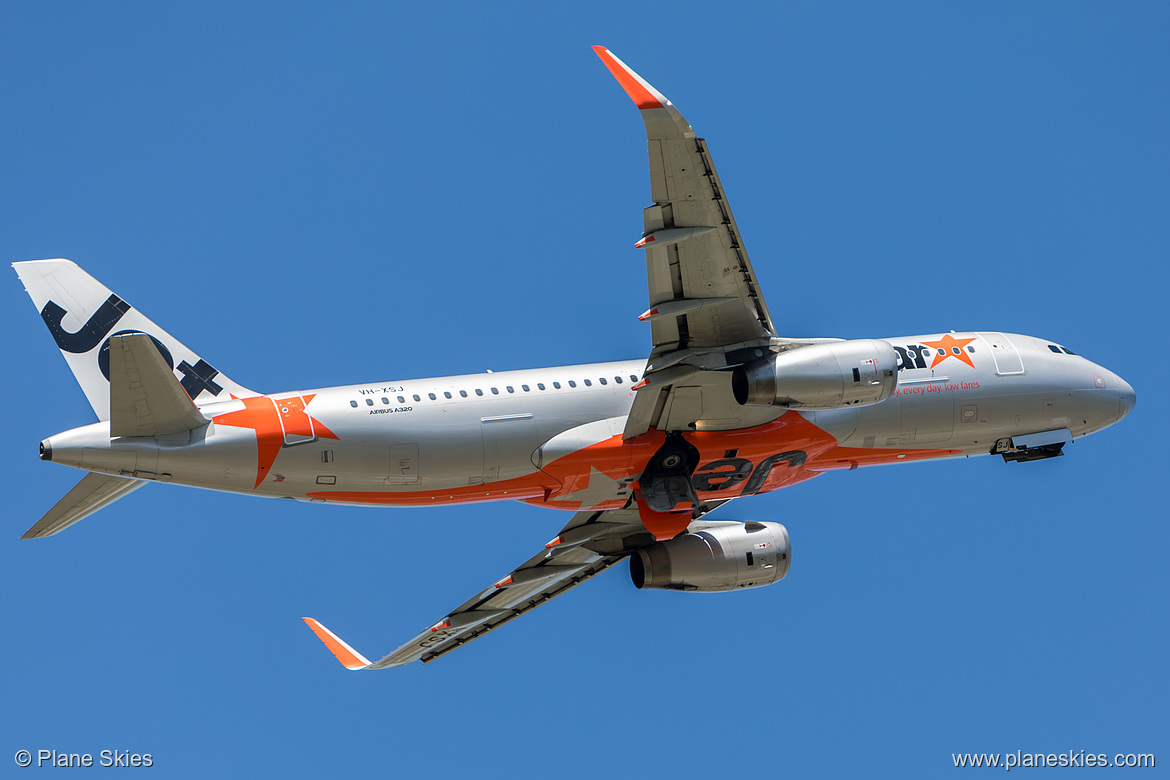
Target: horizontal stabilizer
146, 399
88, 496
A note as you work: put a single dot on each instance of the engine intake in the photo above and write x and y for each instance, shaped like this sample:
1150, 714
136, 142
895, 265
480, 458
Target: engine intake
721, 556
820, 376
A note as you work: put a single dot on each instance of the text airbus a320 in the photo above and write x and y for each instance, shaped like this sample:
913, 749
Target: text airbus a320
640, 452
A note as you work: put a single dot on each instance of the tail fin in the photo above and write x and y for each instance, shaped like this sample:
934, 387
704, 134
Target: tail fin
82, 314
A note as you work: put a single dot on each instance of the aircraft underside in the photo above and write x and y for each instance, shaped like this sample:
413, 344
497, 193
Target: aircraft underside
638, 451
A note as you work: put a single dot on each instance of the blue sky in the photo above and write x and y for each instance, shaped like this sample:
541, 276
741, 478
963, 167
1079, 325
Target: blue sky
311, 196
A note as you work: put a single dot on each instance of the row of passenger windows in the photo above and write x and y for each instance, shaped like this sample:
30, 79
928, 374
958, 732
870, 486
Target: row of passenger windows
496, 391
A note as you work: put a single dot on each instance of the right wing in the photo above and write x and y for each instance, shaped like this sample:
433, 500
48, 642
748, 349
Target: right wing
590, 543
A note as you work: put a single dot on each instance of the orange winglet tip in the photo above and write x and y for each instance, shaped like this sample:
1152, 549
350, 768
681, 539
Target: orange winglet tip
648, 314
644, 241
643, 95
350, 658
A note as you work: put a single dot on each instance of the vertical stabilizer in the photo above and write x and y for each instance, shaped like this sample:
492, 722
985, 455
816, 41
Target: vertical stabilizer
82, 315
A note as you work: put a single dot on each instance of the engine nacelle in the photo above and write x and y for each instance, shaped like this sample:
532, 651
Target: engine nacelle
820, 376
720, 556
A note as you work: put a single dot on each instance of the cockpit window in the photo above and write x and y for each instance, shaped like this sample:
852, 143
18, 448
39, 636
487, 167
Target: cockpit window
1068, 351
1054, 348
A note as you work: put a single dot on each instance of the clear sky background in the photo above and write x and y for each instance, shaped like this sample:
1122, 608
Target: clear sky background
311, 196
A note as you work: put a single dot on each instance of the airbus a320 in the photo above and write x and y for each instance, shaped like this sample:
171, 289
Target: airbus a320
638, 452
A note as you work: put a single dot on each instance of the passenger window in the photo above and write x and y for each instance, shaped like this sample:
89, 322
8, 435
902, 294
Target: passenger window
369, 402
602, 380
462, 393
401, 400
509, 388
385, 400
540, 385
353, 404
432, 396
617, 379
589, 383
572, 383
495, 391
525, 388
956, 351
557, 385
446, 395
633, 378
478, 391
415, 397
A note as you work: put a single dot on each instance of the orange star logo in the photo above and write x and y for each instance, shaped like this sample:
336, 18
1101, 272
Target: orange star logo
276, 421
950, 347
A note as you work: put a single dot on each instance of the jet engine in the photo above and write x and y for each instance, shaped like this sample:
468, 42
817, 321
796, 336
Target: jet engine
820, 376
720, 556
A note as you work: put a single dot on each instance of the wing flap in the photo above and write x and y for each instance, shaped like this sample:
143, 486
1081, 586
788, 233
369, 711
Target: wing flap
588, 545
89, 495
146, 399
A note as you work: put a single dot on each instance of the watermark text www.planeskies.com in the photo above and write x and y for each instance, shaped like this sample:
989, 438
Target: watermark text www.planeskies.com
1070, 758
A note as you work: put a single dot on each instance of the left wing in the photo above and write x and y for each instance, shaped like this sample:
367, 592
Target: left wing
589, 544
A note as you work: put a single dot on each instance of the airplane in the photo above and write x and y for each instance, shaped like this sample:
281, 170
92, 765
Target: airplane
639, 452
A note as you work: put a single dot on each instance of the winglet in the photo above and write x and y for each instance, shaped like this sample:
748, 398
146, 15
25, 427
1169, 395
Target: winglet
351, 659
639, 90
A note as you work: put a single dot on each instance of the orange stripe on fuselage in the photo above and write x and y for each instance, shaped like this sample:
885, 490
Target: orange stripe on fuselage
619, 459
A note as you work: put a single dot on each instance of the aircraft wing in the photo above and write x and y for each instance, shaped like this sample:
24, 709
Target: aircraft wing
704, 297
703, 292
590, 543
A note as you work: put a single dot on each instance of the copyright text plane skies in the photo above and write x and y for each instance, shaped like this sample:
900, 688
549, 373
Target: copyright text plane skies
638, 452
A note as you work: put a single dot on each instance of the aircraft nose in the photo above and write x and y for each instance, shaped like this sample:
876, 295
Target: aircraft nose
1126, 396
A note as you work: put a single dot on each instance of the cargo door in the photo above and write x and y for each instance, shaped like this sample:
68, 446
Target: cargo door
508, 443
403, 465
928, 411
